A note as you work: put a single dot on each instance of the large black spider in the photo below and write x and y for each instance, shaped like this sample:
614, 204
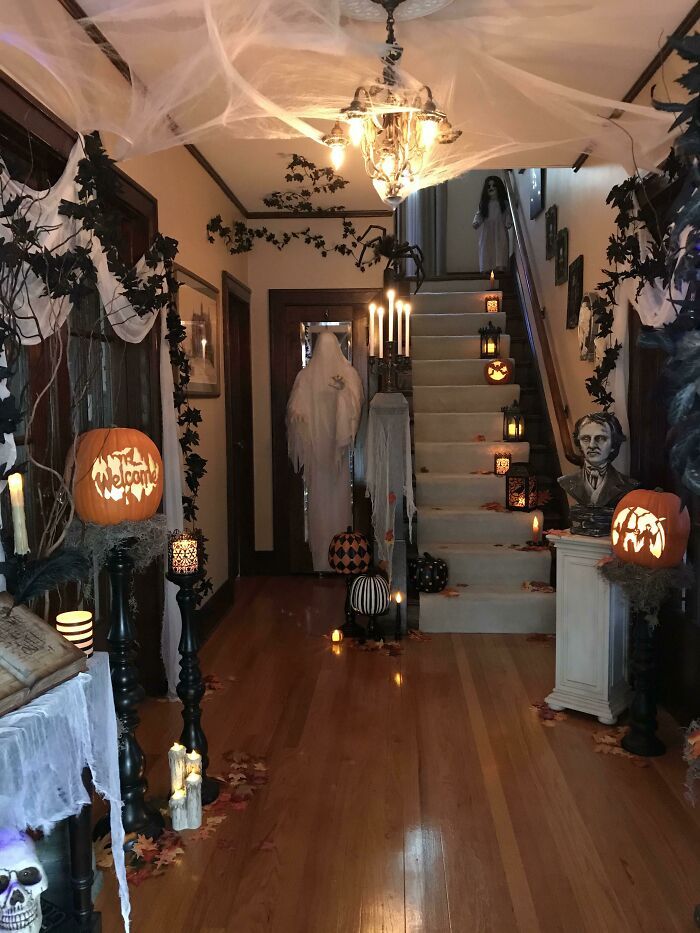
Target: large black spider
385, 246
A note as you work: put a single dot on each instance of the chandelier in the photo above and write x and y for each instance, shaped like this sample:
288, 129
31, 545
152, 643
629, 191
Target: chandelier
395, 129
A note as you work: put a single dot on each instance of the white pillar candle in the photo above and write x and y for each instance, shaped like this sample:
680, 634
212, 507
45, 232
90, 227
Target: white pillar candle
178, 810
193, 790
372, 311
407, 334
19, 525
399, 312
193, 762
380, 313
176, 760
76, 627
390, 295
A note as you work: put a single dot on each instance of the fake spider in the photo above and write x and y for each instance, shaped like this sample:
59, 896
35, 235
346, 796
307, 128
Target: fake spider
385, 246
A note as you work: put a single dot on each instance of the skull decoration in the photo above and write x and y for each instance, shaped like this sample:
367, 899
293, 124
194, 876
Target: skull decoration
22, 882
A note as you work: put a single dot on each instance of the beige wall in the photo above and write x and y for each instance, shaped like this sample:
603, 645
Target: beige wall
297, 266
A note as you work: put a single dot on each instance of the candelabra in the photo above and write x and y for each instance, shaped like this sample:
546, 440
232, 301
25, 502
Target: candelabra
389, 366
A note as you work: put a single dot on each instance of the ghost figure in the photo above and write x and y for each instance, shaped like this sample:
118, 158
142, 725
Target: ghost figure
22, 882
323, 414
493, 221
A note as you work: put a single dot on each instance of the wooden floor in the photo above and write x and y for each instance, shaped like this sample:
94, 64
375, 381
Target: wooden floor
428, 803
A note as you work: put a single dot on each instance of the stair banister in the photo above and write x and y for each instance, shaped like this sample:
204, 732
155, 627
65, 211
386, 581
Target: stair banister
537, 335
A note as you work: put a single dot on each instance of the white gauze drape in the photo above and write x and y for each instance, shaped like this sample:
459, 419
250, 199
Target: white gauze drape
39, 316
323, 414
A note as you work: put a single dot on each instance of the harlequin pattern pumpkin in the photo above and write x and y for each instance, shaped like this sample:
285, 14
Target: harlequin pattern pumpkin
498, 372
649, 528
427, 574
369, 594
350, 552
118, 476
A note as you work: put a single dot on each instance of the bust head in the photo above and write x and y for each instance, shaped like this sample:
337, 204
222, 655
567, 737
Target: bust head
599, 437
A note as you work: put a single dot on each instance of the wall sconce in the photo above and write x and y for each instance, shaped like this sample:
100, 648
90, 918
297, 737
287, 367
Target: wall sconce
513, 423
492, 303
501, 462
490, 343
521, 488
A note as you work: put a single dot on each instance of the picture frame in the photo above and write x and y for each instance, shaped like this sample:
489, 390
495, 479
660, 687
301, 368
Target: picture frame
574, 297
536, 178
200, 312
561, 257
550, 231
587, 329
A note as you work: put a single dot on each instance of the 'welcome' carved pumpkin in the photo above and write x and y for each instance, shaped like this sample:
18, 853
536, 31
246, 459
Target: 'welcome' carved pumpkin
428, 574
650, 529
118, 476
498, 372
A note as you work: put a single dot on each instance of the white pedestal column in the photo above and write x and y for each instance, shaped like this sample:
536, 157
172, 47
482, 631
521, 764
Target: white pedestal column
592, 619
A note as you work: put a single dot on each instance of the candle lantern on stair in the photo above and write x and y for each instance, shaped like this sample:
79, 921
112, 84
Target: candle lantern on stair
501, 462
492, 303
513, 423
490, 343
521, 488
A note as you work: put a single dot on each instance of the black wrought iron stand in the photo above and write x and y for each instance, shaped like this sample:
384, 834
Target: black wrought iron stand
642, 738
389, 367
351, 628
190, 688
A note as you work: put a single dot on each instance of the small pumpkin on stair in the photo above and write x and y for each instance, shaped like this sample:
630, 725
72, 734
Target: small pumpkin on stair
427, 574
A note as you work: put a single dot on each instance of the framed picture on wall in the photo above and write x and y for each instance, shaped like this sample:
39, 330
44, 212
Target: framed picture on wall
561, 257
575, 294
198, 305
536, 179
550, 232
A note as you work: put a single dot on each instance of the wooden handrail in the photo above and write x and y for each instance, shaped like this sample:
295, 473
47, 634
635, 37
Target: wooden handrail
534, 318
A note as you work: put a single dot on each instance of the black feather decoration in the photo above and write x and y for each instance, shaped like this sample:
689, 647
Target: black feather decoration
47, 573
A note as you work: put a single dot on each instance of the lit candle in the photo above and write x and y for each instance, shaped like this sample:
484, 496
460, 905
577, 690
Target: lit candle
398, 598
406, 336
176, 760
336, 636
178, 811
536, 530
390, 295
76, 627
511, 429
380, 313
372, 312
204, 347
183, 553
492, 279
399, 312
14, 481
193, 800
193, 763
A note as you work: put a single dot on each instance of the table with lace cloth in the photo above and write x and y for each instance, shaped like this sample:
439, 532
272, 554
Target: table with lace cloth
45, 747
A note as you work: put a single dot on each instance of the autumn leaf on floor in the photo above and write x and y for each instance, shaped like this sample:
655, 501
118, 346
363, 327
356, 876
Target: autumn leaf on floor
103, 852
548, 717
537, 586
145, 849
479, 438
541, 637
608, 743
529, 547
415, 634
169, 856
388, 648
138, 876
493, 507
212, 684
558, 532
449, 593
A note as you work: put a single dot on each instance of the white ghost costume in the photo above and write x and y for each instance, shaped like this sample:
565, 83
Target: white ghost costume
494, 250
323, 414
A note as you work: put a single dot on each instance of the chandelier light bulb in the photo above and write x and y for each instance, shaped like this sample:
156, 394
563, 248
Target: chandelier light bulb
337, 155
389, 164
428, 132
356, 129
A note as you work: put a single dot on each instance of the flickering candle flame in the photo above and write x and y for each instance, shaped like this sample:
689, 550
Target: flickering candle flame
398, 598
380, 313
19, 524
492, 279
372, 312
391, 294
76, 627
336, 636
512, 429
536, 532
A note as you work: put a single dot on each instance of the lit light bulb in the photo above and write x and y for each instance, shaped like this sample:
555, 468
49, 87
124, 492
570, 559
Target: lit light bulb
356, 127
428, 132
388, 164
337, 155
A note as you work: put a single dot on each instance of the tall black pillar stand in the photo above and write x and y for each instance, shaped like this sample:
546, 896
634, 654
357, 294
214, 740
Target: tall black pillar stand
137, 815
641, 738
80, 841
190, 687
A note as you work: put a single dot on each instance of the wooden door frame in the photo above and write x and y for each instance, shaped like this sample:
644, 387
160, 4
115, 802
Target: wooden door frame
279, 300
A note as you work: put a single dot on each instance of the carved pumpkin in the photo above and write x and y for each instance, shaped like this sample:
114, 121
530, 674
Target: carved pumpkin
498, 372
350, 553
427, 574
650, 529
118, 476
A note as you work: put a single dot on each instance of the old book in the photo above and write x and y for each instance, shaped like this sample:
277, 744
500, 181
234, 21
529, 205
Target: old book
33, 656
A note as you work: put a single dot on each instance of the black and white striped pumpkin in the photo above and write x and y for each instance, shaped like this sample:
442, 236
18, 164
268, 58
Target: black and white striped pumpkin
369, 595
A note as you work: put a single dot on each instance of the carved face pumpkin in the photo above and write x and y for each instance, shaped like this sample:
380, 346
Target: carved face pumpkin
498, 372
118, 476
650, 529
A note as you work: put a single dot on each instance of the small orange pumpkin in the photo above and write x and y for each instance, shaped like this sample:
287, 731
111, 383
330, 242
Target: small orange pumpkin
498, 372
649, 528
118, 476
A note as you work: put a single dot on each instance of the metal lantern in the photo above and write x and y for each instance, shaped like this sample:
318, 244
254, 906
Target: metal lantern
185, 553
490, 341
521, 488
492, 304
501, 462
513, 423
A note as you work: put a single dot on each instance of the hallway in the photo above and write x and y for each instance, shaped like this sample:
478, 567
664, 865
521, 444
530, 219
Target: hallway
436, 804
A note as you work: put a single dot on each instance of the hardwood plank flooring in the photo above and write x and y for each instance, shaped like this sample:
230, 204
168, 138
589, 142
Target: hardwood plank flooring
412, 794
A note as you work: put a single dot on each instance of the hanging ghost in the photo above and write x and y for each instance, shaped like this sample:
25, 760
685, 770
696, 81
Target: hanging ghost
323, 414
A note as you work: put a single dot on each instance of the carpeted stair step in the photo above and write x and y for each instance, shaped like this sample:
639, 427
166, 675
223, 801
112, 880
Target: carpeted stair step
475, 525
452, 348
470, 398
488, 564
450, 302
464, 456
450, 373
445, 490
460, 285
458, 426
505, 609
457, 325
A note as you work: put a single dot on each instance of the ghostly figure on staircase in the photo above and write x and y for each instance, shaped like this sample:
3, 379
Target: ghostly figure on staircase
493, 221
323, 414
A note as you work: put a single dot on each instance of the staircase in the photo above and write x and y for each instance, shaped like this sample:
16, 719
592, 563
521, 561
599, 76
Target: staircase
453, 408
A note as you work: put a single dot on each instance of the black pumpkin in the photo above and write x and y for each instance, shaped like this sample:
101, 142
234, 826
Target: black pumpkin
427, 574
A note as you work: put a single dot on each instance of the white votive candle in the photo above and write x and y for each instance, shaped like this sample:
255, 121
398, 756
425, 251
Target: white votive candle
178, 810
193, 791
178, 771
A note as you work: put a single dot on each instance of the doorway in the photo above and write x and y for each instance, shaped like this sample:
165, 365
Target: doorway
296, 317
239, 427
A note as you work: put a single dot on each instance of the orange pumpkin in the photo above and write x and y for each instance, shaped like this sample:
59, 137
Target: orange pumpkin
649, 528
118, 476
498, 372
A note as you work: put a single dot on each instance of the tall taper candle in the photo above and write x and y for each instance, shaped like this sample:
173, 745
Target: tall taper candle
399, 311
492, 279
176, 760
390, 295
19, 525
380, 313
407, 335
193, 762
372, 311
193, 787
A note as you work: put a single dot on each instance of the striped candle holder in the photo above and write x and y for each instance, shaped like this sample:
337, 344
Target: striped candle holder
76, 627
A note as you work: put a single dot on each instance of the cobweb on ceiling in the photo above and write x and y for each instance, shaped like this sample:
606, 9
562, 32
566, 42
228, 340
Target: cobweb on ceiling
515, 76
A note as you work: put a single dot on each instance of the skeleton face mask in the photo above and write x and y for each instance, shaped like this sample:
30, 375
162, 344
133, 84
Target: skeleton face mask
22, 882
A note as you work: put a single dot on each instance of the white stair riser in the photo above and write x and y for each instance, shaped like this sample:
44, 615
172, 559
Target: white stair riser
450, 302
479, 526
447, 398
450, 426
533, 612
493, 565
451, 373
464, 457
454, 325
460, 285
435, 490
452, 348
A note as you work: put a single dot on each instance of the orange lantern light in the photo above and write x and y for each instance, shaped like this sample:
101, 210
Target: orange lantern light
498, 372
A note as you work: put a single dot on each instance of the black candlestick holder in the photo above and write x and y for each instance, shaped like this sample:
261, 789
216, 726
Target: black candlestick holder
190, 687
389, 367
642, 738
